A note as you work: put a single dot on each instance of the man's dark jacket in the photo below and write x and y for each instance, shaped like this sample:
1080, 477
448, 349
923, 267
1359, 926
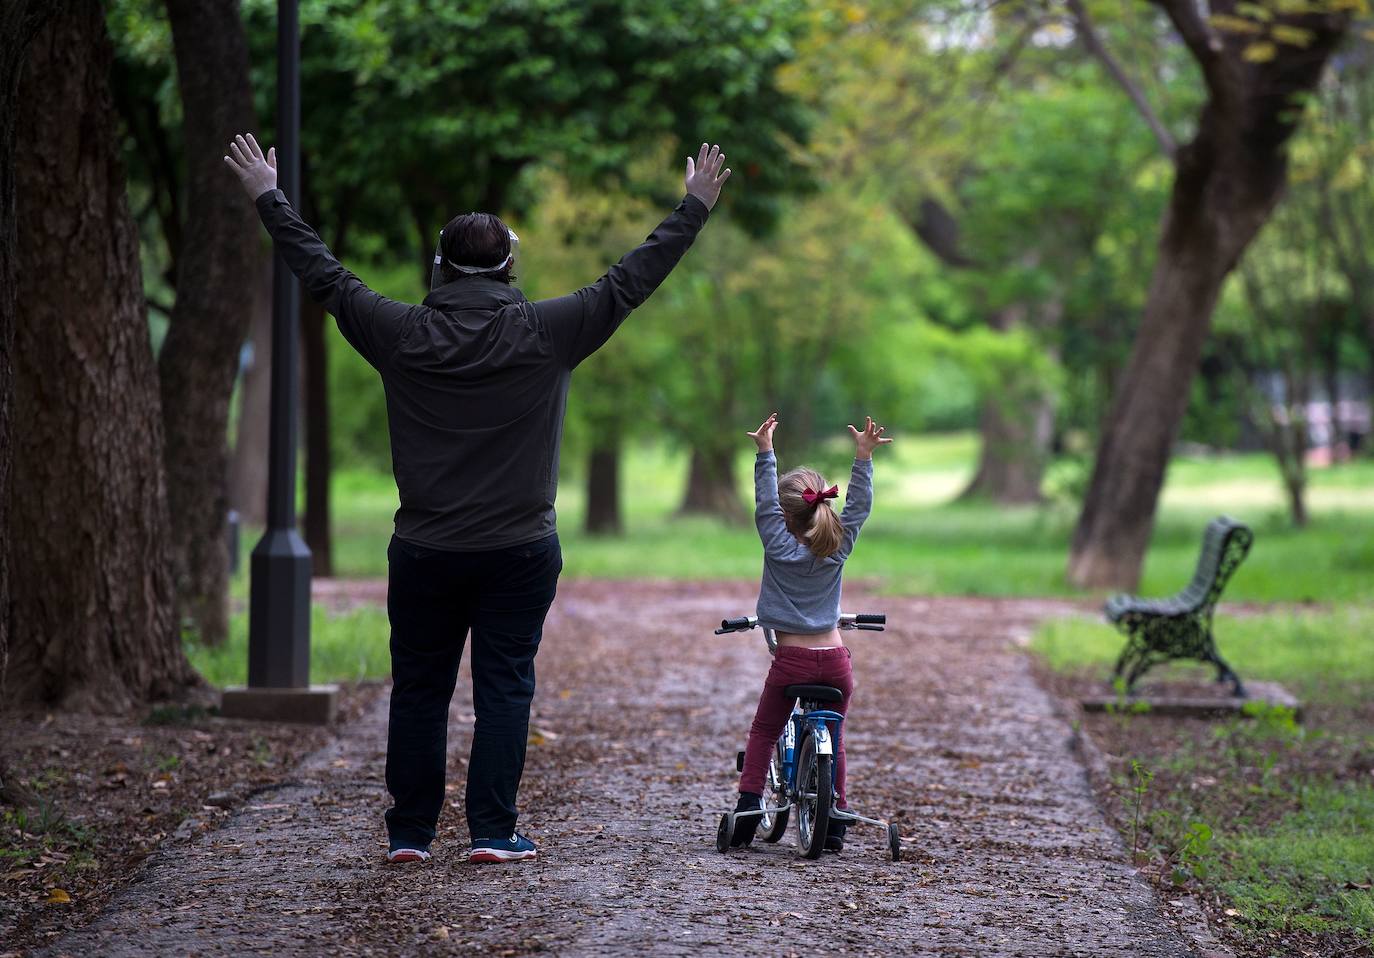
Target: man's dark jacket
476, 377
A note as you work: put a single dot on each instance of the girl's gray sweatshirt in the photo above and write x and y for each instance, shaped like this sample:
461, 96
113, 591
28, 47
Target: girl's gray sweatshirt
800, 592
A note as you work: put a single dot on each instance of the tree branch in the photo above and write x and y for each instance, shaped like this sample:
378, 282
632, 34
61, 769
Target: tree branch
1206, 47
1092, 40
939, 231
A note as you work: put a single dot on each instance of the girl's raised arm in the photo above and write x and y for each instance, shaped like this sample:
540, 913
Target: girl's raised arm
858, 499
767, 511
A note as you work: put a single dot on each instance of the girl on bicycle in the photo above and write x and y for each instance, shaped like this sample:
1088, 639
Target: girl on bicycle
805, 545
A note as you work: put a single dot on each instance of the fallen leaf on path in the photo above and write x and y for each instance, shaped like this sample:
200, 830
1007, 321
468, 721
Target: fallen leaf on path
58, 896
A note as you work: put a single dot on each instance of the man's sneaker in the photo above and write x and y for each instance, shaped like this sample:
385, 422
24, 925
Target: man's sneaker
745, 827
513, 849
401, 854
834, 840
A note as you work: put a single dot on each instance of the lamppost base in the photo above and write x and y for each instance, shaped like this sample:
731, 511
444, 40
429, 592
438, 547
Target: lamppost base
316, 705
279, 612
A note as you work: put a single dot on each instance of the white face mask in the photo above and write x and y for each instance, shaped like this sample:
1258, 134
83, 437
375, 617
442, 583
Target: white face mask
434, 279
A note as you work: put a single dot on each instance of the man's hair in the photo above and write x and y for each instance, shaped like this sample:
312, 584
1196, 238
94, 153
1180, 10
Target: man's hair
475, 239
814, 524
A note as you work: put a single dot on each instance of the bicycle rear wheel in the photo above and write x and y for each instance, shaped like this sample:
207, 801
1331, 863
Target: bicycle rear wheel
772, 826
815, 787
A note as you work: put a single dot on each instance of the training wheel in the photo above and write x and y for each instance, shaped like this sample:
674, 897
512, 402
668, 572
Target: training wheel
894, 843
725, 832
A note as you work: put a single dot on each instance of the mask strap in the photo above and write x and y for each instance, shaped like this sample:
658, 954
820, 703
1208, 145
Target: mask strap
434, 278
434, 281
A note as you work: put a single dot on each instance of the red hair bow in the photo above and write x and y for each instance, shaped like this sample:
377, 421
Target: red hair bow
812, 496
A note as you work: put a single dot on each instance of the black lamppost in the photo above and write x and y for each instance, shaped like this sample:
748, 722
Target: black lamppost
279, 572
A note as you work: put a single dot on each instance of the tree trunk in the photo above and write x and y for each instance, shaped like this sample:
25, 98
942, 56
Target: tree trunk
1227, 181
711, 487
1014, 452
1118, 513
248, 469
1296, 487
199, 359
317, 460
1016, 426
603, 490
91, 607
20, 22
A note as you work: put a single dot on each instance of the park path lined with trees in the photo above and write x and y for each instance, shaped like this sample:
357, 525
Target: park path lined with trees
635, 727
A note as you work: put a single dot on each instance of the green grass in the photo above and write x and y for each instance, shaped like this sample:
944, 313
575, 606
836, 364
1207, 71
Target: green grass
1288, 809
1326, 653
918, 541
345, 647
1305, 872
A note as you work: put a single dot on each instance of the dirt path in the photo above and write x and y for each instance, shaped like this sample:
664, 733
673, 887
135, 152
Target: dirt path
639, 714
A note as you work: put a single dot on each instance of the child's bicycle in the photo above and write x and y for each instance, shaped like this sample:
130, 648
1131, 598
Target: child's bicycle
801, 774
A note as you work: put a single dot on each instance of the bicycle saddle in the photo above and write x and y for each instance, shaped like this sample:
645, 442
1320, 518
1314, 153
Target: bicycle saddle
813, 693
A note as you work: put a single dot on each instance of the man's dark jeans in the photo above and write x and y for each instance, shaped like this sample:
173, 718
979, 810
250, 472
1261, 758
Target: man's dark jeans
434, 597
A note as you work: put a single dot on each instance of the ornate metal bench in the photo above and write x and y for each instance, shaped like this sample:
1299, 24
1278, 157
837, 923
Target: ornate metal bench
1180, 627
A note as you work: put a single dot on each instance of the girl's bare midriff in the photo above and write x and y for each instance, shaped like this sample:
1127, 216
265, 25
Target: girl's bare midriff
815, 640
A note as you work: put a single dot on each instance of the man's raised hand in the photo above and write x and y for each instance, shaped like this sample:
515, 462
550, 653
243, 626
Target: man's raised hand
256, 171
705, 176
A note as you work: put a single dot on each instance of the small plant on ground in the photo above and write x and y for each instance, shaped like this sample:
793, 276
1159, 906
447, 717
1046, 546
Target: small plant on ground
1141, 777
1194, 853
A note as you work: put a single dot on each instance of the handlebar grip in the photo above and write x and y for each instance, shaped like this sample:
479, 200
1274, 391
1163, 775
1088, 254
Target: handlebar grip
871, 618
734, 625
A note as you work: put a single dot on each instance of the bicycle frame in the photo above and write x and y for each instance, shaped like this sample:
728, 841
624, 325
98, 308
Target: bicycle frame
823, 725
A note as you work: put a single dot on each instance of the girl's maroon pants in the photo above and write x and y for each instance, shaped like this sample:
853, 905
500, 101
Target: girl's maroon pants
795, 666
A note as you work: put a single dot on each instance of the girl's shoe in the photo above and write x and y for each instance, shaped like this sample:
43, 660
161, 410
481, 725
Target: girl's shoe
745, 827
513, 849
834, 840
401, 855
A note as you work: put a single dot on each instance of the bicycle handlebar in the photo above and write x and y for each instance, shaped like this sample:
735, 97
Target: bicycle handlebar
849, 621
743, 624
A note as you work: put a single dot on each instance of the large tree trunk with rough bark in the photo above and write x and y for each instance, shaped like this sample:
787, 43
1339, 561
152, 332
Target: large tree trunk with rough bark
91, 609
711, 489
318, 465
219, 258
20, 22
603, 490
1226, 184
248, 467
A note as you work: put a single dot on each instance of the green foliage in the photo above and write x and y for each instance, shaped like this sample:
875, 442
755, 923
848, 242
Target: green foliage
433, 109
357, 406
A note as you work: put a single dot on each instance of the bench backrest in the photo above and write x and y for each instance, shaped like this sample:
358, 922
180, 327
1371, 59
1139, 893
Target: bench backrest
1224, 545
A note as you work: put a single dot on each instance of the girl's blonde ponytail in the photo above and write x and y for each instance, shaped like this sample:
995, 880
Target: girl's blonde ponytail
815, 524
823, 538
